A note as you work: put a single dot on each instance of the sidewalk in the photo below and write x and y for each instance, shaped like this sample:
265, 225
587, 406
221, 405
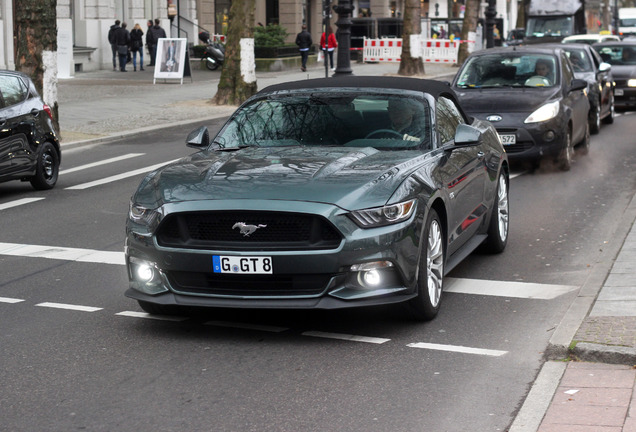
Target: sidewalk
594, 392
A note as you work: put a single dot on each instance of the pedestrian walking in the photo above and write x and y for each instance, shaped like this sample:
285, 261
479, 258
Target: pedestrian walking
156, 32
304, 42
149, 42
328, 44
113, 44
137, 45
122, 39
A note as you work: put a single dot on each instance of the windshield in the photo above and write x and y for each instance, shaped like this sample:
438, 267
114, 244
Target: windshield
579, 59
509, 70
550, 26
389, 121
618, 54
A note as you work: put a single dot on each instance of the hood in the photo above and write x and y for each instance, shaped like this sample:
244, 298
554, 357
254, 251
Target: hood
504, 100
623, 72
349, 178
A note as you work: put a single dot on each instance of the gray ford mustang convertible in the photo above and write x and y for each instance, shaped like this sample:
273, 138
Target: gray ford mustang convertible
321, 194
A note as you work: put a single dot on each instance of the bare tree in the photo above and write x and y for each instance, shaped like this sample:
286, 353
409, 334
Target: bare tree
236, 85
36, 47
410, 65
469, 26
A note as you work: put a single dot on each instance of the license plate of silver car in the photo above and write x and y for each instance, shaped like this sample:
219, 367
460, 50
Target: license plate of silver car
242, 264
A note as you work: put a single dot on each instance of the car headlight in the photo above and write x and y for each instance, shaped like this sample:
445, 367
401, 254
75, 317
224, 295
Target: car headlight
143, 215
631, 83
381, 216
545, 113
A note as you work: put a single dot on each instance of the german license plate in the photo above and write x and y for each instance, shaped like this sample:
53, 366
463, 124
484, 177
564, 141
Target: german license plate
508, 139
619, 92
242, 264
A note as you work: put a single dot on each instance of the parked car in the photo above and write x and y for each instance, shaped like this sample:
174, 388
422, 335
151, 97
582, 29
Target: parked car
515, 37
589, 66
29, 147
321, 194
590, 38
622, 57
531, 95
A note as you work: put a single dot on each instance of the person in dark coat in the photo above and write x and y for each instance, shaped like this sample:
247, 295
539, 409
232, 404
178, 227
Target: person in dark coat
149, 42
137, 45
304, 42
122, 39
111, 40
157, 32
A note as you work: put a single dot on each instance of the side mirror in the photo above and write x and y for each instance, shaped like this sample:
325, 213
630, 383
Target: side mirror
604, 67
578, 84
466, 135
198, 138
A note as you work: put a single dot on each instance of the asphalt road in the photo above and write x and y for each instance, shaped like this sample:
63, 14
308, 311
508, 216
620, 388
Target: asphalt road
78, 355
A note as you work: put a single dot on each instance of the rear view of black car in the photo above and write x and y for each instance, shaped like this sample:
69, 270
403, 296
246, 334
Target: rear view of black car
533, 99
29, 147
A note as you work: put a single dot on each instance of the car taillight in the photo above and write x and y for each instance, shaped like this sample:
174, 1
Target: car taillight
48, 111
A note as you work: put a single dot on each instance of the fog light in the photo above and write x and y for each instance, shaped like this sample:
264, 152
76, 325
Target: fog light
145, 273
548, 136
371, 278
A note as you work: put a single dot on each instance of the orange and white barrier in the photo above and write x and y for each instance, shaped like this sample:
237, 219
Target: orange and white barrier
431, 50
382, 50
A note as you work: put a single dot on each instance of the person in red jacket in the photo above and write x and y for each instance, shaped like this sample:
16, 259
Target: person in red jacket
332, 44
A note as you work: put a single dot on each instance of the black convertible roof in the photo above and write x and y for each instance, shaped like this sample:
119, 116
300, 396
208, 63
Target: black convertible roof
434, 88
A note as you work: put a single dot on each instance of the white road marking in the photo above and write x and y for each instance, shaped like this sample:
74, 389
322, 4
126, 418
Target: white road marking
19, 202
347, 337
247, 326
145, 315
10, 300
457, 348
62, 253
69, 307
506, 288
102, 162
119, 176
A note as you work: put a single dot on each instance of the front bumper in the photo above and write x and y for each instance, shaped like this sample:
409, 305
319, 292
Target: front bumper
301, 279
624, 97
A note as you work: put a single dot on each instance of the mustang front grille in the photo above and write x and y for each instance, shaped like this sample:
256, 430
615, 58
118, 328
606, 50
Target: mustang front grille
239, 230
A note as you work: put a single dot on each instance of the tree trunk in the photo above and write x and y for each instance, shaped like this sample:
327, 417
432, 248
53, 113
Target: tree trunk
469, 25
410, 65
233, 87
35, 31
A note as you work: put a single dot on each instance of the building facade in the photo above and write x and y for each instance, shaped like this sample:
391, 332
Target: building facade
82, 25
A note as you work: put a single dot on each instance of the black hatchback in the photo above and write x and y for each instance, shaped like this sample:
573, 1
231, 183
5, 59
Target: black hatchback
29, 147
533, 99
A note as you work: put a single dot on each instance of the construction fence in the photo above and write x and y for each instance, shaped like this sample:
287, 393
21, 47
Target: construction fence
431, 50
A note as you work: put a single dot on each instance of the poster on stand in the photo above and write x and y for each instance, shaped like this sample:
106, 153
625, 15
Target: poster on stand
170, 61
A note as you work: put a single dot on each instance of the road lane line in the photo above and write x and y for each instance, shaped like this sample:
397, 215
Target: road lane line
346, 337
62, 253
457, 348
506, 288
145, 315
69, 307
119, 176
247, 326
19, 202
10, 300
102, 162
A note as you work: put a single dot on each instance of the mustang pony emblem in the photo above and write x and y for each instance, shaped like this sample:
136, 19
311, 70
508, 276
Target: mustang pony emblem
247, 230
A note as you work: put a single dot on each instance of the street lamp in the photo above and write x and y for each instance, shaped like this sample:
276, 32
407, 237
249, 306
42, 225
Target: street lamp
490, 13
344, 10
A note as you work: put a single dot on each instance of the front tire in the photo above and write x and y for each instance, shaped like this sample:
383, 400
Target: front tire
426, 305
499, 220
609, 119
595, 118
47, 168
211, 64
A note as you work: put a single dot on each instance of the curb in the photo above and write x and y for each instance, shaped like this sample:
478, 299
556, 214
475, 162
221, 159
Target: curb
591, 352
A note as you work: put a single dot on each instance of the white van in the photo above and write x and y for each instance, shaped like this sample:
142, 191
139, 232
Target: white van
627, 22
